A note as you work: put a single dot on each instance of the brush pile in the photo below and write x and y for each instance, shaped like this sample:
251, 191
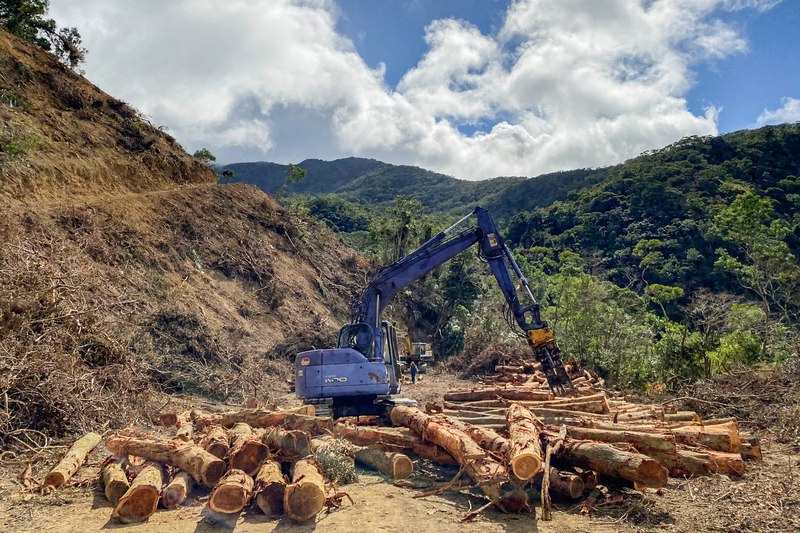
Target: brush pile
507, 441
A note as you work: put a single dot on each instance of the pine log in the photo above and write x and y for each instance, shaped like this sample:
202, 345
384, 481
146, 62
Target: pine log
703, 463
397, 465
294, 442
480, 420
177, 490
305, 497
263, 418
115, 480
216, 441
682, 416
247, 450
486, 438
509, 393
232, 493
609, 460
313, 425
566, 483
655, 445
141, 500
525, 453
72, 461
718, 421
270, 486
201, 465
722, 438
393, 440
484, 471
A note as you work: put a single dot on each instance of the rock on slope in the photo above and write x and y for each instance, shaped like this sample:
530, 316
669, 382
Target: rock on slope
127, 272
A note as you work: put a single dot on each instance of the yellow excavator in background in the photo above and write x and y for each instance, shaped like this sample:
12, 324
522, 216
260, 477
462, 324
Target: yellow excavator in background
419, 352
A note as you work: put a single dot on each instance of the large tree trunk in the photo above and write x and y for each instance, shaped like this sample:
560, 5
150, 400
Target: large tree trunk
177, 490
397, 465
216, 441
609, 460
656, 445
313, 425
232, 492
305, 497
294, 442
247, 451
201, 465
72, 461
141, 500
525, 457
115, 480
269, 488
394, 440
488, 473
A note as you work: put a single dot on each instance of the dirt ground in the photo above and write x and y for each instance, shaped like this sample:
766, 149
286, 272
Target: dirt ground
765, 499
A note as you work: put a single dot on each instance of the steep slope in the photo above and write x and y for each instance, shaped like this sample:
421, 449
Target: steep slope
127, 273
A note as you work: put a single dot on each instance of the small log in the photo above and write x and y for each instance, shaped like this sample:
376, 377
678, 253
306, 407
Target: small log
216, 441
270, 486
177, 490
72, 461
307, 410
115, 480
566, 483
484, 471
247, 450
718, 421
553, 446
293, 442
141, 500
304, 498
232, 493
525, 452
201, 465
397, 465
168, 419
486, 438
749, 452
185, 430
682, 416
609, 460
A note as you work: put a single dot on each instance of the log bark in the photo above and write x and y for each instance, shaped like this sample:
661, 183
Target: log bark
682, 416
216, 441
609, 460
566, 483
262, 418
703, 463
525, 452
509, 393
305, 496
488, 439
655, 445
289, 442
484, 471
177, 490
722, 437
115, 480
232, 493
270, 486
393, 440
72, 461
247, 450
397, 465
201, 465
141, 500
313, 425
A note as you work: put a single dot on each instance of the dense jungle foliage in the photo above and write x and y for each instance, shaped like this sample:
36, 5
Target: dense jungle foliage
674, 266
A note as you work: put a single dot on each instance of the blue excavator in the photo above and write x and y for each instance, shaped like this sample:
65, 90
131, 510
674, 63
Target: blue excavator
360, 376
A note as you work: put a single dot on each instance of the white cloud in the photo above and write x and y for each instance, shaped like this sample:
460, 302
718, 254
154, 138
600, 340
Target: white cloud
790, 112
562, 84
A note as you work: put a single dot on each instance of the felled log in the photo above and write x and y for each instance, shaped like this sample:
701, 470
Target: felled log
722, 437
525, 451
115, 480
232, 492
292, 442
682, 416
305, 496
705, 462
596, 404
313, 425
177, 490
749, 452
655, 445
393, 439
606, 459
185, 428
141, 499
566, 483
484, 471
247, 450
216, 441
486, 438
168, 419
201, 465
270, 486
397, 465
261, 418
509, 393
72, 461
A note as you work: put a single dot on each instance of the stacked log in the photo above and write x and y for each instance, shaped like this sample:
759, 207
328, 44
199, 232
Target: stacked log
141, 500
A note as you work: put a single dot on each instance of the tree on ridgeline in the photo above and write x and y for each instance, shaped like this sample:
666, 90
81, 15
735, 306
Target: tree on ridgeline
28, 20
293, 174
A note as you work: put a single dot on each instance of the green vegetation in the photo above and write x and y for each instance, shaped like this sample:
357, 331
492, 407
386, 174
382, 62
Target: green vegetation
27, 19
205, 156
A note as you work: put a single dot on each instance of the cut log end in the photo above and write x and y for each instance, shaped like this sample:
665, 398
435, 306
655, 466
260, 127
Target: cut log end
228, 499
138, 507
218, 449
402, 467
248, 457
214, 473
270, 499
525, 466
303, 501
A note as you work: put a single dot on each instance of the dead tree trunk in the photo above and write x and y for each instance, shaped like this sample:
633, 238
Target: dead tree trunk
305, 497
232, 492
177, 490
247, 451
270, 486
525, 457
72, 461
140, 501
198, 463
115, 480
488, 473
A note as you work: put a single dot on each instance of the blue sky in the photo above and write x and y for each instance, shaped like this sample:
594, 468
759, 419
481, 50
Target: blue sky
471, 88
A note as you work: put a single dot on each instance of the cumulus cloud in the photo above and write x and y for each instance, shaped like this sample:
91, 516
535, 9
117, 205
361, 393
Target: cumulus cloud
561, 84
790, 112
